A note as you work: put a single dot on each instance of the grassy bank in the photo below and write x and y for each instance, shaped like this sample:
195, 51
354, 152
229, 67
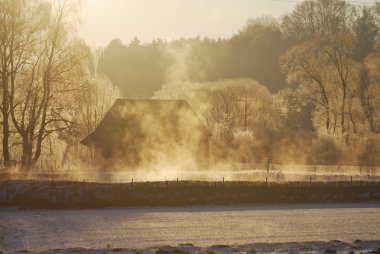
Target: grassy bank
68, 194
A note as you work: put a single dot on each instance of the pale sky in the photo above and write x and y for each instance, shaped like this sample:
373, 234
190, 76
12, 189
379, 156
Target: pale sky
104, 20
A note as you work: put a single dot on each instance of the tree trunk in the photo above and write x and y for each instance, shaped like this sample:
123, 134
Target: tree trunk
27, 162
343, 109
6, 154
5, 111
335, 118
353, 123
327, 120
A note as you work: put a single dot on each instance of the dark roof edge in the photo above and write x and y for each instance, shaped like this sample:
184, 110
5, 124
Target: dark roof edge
86, 140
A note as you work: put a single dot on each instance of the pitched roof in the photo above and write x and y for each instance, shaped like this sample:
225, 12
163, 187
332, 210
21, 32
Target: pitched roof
125, 113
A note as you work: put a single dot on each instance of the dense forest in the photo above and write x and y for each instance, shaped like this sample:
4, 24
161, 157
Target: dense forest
303, 89
140, 69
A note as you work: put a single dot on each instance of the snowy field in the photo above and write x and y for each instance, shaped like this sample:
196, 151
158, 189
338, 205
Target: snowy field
280, 228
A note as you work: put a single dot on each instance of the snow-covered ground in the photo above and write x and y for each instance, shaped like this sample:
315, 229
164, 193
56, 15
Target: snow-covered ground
230, 229
362, 247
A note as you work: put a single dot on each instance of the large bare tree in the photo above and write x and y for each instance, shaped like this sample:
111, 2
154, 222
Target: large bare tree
326, 76
40, 100
20, 21
45, 67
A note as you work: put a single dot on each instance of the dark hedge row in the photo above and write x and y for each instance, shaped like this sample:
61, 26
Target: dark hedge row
65, 194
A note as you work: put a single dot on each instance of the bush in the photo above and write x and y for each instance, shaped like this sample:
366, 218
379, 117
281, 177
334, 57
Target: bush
371, 153
326, 151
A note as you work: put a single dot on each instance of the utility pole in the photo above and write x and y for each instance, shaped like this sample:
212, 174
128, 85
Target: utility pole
246, 100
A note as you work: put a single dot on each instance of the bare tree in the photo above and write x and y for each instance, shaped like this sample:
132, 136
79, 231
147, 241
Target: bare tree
338, 49
315, 18
370, 91
327, 76
39, 98
240, 114
304, 67
20, 21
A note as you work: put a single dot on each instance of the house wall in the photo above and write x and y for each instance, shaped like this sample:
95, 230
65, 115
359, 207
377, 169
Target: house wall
169, 153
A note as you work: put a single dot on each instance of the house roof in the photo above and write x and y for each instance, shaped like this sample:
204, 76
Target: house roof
127, 113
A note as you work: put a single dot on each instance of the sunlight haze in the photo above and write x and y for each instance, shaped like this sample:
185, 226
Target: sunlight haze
103, 21
189, 126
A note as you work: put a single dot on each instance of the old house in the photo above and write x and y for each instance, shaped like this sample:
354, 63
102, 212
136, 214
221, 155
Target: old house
138, 133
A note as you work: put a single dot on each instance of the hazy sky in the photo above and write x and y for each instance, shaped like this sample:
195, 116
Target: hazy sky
104, 20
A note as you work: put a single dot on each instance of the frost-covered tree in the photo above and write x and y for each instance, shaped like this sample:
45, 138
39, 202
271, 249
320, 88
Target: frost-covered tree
244, 118
326, 75
39, 95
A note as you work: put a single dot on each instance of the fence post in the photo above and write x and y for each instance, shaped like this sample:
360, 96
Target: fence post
7, 192
351, 188
310, 189
223, 181
52, 191
132, 184
84, 191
